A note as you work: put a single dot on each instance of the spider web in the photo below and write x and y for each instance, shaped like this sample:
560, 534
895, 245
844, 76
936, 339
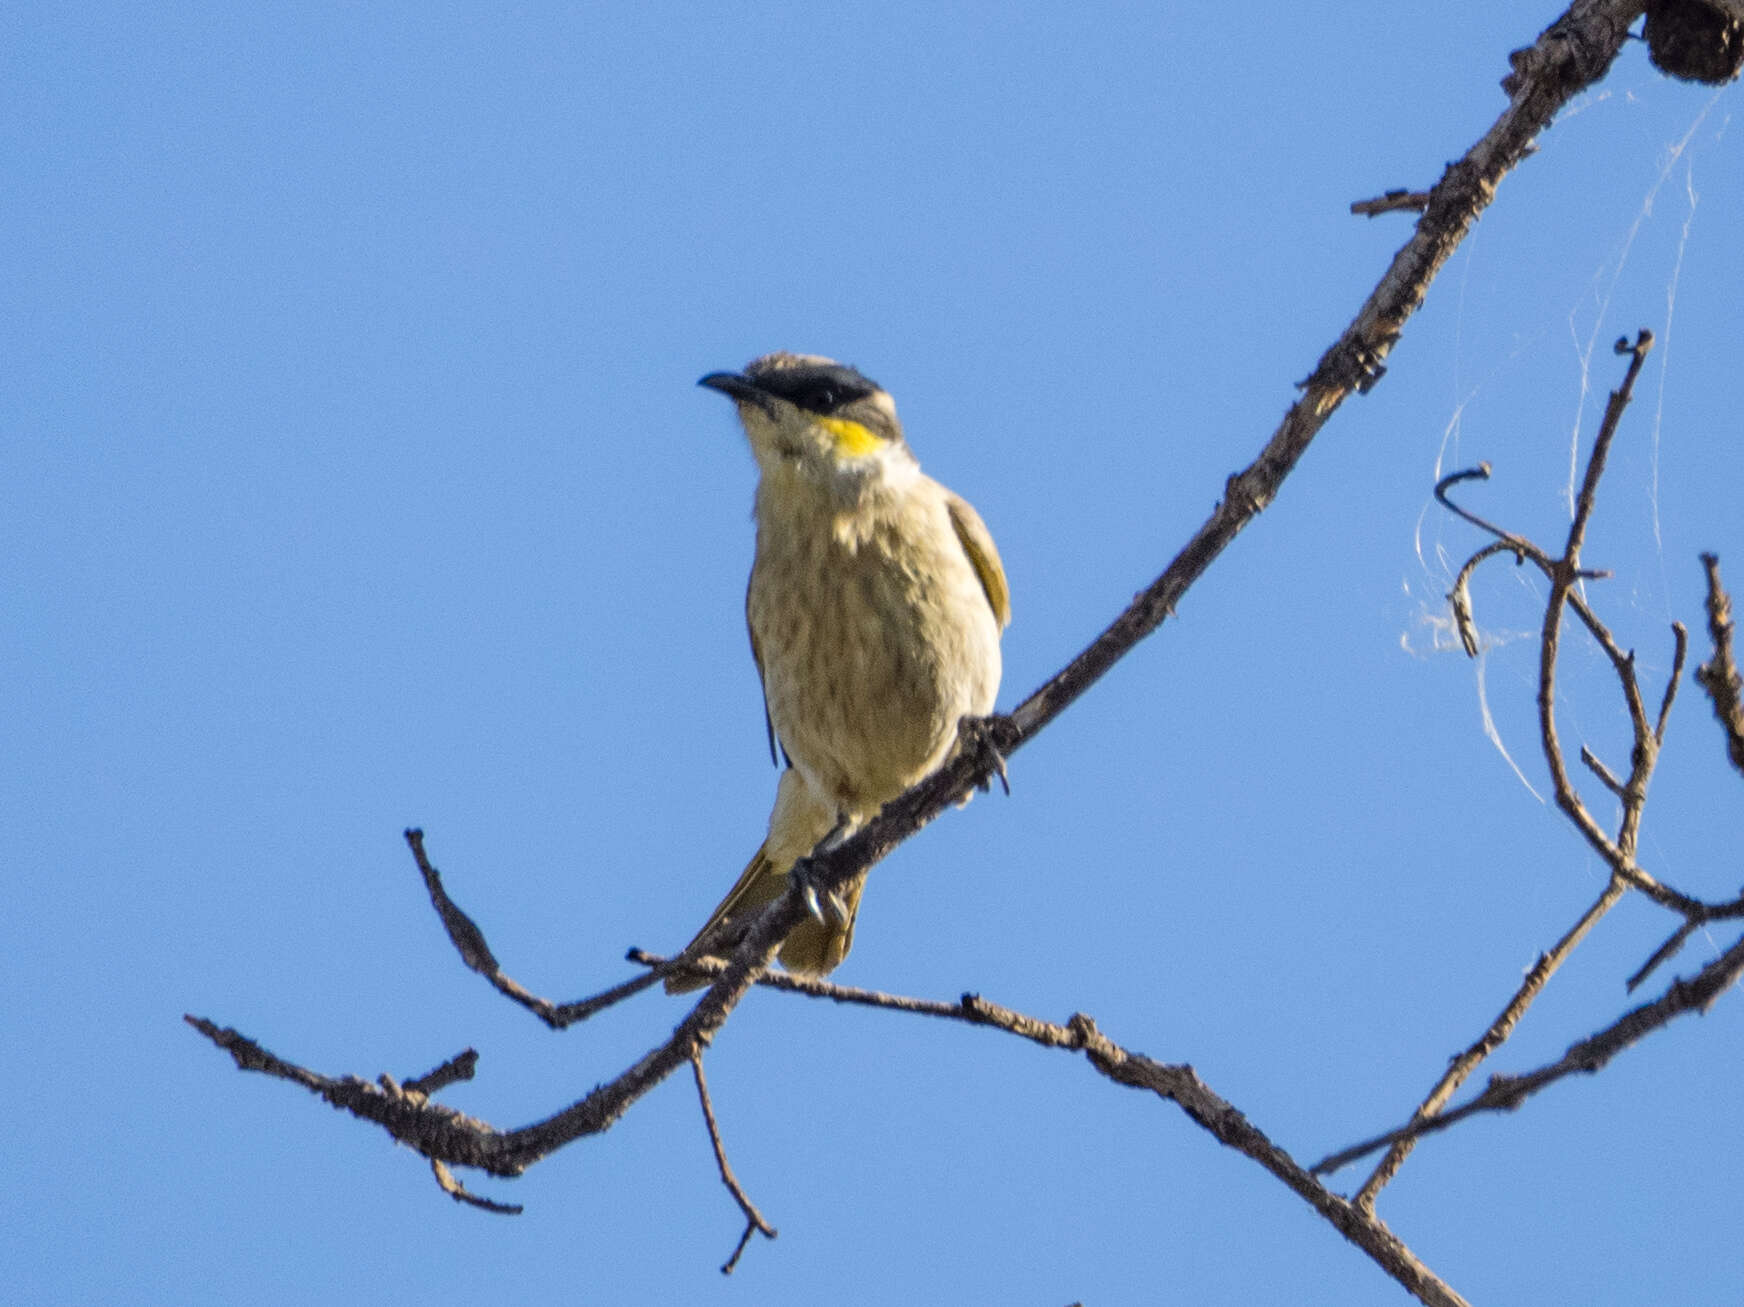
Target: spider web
1588, 324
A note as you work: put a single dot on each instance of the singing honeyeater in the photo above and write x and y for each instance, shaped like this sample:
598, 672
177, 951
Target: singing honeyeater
875, 607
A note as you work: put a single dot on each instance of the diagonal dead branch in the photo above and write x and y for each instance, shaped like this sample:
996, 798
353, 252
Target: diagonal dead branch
1505, 1093
1568, 56
1606, 776
1670, 949
1461, 1067
475, 951
1694, 918
467, 938
1179, 1084
442, 1134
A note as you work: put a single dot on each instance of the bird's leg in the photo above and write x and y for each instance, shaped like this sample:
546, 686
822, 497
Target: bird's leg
986, 739
830, 910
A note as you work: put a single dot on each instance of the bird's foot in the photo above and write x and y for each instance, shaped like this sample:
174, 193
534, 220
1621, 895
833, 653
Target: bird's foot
826, 906
986, 739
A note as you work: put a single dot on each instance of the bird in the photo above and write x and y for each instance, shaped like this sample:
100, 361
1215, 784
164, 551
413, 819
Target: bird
875, 606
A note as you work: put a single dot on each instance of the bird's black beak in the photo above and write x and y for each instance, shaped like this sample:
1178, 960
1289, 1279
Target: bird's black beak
739, 388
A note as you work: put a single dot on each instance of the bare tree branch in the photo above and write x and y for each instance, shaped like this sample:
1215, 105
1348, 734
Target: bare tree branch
457, 1068
754, 1222
475, 951
451, 1186
1393, 201
1461, 1067
1505, 1093
1693, 918
1619, 852
1564, 574
1719, 675
1567, 57
439, 1133
1606, 776
1175, 1083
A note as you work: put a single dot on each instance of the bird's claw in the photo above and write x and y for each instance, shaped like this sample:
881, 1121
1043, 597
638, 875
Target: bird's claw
987, 738
827, 908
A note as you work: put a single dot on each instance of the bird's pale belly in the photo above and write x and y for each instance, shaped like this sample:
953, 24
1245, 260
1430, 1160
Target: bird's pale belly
867, 680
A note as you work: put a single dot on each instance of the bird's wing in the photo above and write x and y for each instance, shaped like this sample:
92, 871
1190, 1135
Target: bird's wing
977, 542
776, 752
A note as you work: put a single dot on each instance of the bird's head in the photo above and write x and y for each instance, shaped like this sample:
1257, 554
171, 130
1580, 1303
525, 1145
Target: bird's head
813, 415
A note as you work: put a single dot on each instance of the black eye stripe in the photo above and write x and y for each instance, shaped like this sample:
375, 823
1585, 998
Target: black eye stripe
817, 389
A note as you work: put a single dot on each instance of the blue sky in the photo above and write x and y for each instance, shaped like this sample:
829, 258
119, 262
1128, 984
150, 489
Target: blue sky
353, 476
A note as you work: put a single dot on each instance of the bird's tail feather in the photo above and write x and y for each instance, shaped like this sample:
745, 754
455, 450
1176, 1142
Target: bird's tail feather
797, 824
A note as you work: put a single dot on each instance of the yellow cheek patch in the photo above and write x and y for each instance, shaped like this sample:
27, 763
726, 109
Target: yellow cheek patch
853, 440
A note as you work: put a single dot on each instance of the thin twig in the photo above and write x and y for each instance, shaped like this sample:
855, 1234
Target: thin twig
1391, 202
1719, 675
754, 1222
1461, 1067
1482, 472
1460, 596
475, 951
457, 1068
1694, 918
1606, 776
461, 1194
1680, 638
1669, 949
467, 938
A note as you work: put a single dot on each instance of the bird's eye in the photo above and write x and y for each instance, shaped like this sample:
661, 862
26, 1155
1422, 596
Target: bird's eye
823, 400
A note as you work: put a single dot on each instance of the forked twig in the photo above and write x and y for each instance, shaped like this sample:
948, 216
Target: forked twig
1563, 573
754, 1222
475, 951
1505, 1093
